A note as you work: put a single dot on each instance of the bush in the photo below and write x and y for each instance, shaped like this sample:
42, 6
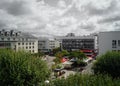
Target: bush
85, 80
77, 54
81, 63
108, 63
57, 60
21, 69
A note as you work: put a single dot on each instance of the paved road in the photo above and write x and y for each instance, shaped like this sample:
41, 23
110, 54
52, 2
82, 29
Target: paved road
49, 60
88, 69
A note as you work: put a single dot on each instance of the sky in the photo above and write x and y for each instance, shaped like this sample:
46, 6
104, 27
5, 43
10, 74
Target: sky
48, 18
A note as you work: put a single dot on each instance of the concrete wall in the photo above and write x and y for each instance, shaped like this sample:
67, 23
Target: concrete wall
105, 41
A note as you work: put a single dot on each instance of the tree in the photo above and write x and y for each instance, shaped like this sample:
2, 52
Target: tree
60, 54
55, 50
85, 80
39, 54
21, 69
108, 63
77, 54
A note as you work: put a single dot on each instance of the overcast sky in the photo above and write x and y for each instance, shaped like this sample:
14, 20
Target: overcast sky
59, 17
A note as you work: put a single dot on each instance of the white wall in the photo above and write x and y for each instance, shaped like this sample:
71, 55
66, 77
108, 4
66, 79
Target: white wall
105, 41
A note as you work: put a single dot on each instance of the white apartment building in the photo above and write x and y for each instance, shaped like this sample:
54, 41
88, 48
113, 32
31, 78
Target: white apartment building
43, 44
46, 45
109, 41
17, 40
53, 44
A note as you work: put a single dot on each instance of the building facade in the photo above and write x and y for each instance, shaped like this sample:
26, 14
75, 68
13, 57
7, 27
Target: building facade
17, 40
70, 42
47, 45
43, 45
109, 41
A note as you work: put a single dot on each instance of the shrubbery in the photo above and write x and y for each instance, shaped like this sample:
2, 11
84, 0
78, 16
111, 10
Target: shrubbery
81, 63
108, 63
77, 54
85, 80
21, 69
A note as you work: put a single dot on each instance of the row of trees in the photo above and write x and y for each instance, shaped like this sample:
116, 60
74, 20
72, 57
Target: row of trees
58, 53
74, 54
21, 69
85, 80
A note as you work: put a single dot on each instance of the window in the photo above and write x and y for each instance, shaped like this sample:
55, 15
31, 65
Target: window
30, 47
114, 43
22, 43
2, 39
26, 47
118, 42
18, 43
33, 46
33, 43
29, 50
8, 39
30, 43
33, 51
14, 39
26, 43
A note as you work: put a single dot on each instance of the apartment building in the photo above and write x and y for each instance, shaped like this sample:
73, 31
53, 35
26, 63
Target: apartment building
109, 41
43, 45
46, 45
53, 44
71, 42
17, 40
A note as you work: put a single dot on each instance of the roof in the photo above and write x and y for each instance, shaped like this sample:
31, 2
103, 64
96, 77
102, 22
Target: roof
27, 35
16, 34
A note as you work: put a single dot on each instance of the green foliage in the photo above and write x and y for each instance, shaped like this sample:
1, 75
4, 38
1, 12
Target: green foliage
55, 50
65, 52
59, 56
21, 69
39, 54
62, 53
108, 63
57, 60
77, 54
81, 63
59, 66
85, 80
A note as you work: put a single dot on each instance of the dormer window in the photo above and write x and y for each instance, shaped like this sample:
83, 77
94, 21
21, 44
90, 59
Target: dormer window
2, 39
14, 39
8, 39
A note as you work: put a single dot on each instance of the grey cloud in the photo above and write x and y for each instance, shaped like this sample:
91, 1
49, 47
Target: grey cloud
54, 2
2, 25
15, 7
109, 19
117, 26
62, 26
92, 10
87, 27
73, 11
51, 2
